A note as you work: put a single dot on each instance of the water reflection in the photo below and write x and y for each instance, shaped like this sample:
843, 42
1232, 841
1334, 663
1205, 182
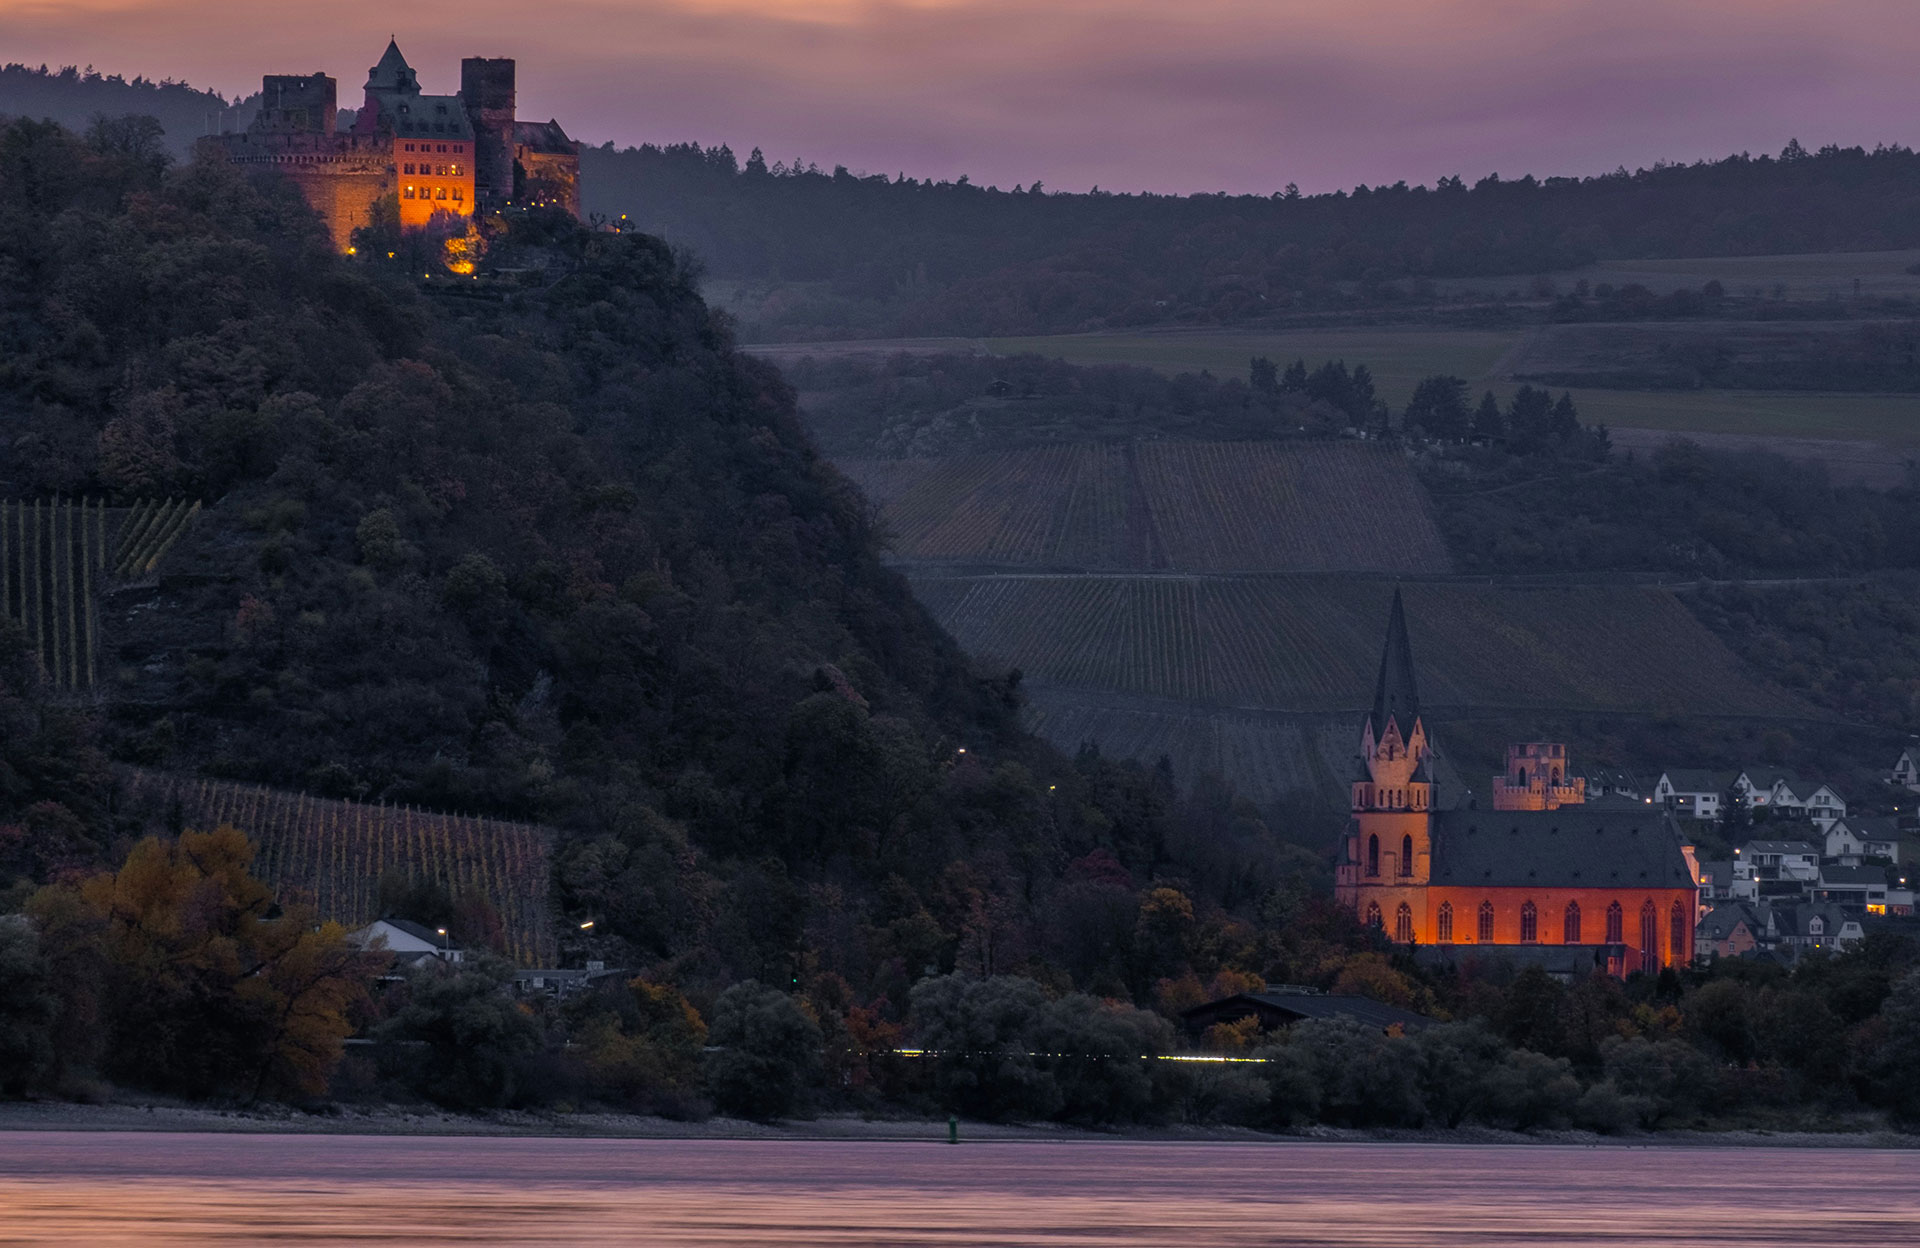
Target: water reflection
156, 1189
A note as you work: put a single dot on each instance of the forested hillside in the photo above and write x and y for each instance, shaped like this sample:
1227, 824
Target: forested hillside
813, 254
74, 97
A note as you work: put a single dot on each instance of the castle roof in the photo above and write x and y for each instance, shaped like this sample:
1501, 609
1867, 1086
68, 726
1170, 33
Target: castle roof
392, 73
1572, 847
1396, 699
542, 136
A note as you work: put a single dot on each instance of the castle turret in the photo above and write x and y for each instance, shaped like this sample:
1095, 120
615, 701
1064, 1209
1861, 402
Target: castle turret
487, 88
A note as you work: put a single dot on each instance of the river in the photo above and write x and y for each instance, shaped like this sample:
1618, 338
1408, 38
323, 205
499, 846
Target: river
104, 1188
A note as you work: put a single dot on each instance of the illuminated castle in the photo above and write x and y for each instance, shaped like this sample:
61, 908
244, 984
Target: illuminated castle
1572, 884
438, 156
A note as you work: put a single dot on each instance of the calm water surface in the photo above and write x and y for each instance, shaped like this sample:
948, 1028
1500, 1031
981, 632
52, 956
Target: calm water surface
88, 1188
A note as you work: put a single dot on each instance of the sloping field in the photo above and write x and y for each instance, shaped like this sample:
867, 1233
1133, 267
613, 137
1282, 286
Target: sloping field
334, 853
1181, 506
1298, 643
1264, 755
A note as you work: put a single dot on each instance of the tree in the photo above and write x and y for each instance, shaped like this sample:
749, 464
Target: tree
1294, 380
1891, 1069
28, 1007
981, 1033
767, 1053
207, 985
1263, 376
1564, 421
1439, 408
1488, 420
460, 1039
1529, 417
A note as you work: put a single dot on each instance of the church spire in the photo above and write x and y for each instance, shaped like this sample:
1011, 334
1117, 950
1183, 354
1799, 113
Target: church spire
1395, 698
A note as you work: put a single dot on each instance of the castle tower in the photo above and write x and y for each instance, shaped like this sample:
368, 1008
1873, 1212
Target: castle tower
1388, 862
1537, 779
487, 88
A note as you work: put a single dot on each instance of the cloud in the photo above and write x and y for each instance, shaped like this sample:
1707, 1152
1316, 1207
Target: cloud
1206, 94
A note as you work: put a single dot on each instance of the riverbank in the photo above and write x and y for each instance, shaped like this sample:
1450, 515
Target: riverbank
422, 1121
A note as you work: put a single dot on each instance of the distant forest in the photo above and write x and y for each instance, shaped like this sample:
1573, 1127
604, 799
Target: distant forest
74, 97
837, 254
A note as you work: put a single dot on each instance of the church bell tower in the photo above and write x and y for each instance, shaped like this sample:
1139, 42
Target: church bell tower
1388, 862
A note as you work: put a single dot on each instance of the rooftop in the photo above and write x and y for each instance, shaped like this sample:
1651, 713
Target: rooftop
1573, 847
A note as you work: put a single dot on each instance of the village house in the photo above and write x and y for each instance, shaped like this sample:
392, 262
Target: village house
1777, 863
1784, 795
1906, 768
1853, 839
1732, 930
1691, 793
407, 941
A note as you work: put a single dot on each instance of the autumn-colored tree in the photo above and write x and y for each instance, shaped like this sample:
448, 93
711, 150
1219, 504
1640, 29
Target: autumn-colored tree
204, 985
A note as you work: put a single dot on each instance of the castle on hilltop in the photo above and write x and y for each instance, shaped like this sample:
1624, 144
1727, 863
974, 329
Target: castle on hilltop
1543, 875
439, 156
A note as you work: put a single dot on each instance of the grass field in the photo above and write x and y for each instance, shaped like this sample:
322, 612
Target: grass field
1811, 276
1185, 506
1399, 358
1311, 644
334, 853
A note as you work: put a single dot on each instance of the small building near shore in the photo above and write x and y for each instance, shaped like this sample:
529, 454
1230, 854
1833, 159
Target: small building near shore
1279, 1006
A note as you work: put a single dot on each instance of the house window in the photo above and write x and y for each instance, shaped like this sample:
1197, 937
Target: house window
1373, 855
1649, 938
407, 169
1677, 924
1373, 915
407, 194
1403, 924
1571, 934
1445, 926
1406, 855
1616, 924
458, 148
458, 195
1485, 936
1529, 924
443, 147
442, 194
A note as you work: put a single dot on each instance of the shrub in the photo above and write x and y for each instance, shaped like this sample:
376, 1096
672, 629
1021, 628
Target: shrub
768, 1052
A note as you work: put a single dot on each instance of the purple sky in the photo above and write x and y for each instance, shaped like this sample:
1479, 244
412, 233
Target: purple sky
1238, 95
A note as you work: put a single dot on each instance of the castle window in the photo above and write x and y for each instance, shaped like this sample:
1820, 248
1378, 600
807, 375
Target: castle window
408, 169
1445, 925
443, 147
1486, 923
1403, 924
1649, 938
442, 194
407, 194
1529, 924
1616, 925
1373, 915
459, 148
458, 195
1572, 933
1406, 855
1373, 855
1677, 943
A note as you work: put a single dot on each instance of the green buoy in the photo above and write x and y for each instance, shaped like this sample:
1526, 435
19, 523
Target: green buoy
953, 1128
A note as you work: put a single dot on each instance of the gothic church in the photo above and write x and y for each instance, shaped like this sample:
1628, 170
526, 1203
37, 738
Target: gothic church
1551, 878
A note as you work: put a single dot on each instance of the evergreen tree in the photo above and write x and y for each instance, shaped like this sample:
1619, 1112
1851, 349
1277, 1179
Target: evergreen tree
1488, 420
1263, 376
1294, 380
1439, 408
1565, 420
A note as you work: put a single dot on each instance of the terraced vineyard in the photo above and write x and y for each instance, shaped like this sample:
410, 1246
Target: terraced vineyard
57, 555
1299, 643
334, 853
1181, 506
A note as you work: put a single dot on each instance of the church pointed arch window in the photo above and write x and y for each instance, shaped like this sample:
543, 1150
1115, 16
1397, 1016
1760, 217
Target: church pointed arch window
1373, 854
1677, 950
1616, 924
1403, 924
1443, 928
1406, 855
1485, 934
1649, 937
1571, 932
1529, 924
1373, 915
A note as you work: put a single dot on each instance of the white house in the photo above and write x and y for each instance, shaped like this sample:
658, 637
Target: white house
1770, 861
1858, 890
1814, 926
1853, 840
406, 940
1906, 772
1760, 785
1690, 793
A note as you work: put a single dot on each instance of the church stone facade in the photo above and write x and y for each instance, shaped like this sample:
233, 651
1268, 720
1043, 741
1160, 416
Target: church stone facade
441, 157
1605, 885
